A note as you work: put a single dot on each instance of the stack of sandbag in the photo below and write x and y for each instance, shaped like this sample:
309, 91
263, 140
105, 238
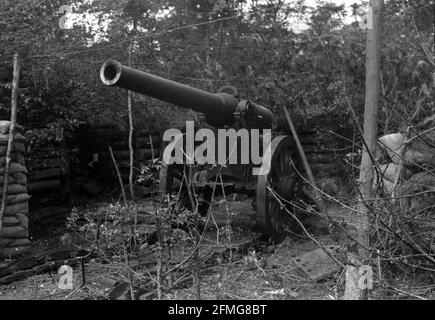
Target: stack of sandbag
414, 158
419, 151
14, 238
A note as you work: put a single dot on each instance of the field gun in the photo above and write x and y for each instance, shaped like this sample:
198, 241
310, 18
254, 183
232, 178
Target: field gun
274, 189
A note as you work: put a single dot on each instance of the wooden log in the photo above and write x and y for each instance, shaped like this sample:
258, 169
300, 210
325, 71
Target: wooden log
14, 232
37, 164
44, 174
45, 153
44, 185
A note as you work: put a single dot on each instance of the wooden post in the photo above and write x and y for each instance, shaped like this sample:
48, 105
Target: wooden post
131, 128
373, 59
14, 101
307, 167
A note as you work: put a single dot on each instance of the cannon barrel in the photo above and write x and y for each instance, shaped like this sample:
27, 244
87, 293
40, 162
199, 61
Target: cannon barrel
219, 108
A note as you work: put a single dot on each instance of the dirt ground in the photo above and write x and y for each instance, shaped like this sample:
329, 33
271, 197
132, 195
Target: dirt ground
246, 266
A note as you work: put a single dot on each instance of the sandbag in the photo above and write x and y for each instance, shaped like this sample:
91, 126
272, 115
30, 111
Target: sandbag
5, 125
14, 168
418, 183
15, 158
14, 209
393, 144
11, 252
10, 221
18, 178
16, 147
19, 243
14, 232
391, 170
420, 154
24, 220
4, 138
4, 242
18, 198
16, 189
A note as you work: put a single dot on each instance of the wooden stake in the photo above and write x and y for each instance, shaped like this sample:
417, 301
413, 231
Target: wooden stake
121, 184
14, 102
307, 166
131, 129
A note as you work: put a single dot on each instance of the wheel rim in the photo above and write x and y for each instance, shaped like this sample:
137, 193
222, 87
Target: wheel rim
283, 178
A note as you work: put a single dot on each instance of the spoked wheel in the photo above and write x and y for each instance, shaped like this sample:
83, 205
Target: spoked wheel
279, 187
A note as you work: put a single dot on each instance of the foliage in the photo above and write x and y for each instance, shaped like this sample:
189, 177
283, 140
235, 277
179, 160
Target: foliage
252, 45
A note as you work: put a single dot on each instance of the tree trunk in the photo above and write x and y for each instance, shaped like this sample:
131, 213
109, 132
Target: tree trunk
370, 138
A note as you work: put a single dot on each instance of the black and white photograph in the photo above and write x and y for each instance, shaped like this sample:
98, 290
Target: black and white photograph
218, 158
